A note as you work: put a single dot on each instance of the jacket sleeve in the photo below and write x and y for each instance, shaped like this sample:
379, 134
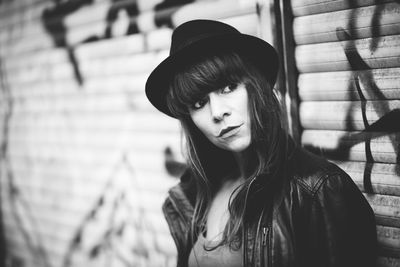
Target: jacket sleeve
341, 229
178, 212
177, 230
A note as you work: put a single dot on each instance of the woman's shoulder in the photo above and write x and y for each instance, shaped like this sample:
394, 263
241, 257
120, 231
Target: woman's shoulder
184, 192
179, 204
312, 172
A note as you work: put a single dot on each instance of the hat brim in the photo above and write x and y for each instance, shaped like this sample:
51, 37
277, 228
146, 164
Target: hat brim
262, 54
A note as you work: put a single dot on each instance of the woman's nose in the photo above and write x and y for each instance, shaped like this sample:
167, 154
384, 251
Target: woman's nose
218, 107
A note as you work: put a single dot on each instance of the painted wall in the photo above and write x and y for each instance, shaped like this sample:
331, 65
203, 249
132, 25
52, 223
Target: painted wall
348, 57
85, 160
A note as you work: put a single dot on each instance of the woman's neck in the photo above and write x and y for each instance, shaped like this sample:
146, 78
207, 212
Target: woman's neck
238, 175
242, 163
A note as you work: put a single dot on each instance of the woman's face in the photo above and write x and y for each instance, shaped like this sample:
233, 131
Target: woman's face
223, 117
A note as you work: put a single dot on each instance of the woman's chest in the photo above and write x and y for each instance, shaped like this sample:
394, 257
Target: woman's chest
218, 213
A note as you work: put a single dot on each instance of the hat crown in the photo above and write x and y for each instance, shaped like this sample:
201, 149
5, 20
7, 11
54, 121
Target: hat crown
197, 38
195, 30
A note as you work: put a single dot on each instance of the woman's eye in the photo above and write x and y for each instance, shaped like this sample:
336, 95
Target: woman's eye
199, 104
229, 88
233, 86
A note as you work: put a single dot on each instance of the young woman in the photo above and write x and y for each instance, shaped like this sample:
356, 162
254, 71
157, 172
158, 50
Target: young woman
250, 196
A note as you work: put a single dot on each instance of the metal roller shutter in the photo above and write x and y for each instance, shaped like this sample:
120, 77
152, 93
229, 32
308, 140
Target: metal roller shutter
347, 55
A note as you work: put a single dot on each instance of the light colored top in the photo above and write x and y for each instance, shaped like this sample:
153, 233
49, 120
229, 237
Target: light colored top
222, 256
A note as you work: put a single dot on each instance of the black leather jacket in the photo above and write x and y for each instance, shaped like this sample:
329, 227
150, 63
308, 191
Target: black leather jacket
319, 219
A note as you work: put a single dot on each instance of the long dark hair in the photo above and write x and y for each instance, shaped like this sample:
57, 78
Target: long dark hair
211, 164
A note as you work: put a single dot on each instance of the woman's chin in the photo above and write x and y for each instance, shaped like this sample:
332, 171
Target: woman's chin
236, 146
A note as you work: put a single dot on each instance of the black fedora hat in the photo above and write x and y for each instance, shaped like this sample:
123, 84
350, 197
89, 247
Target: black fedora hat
202, 37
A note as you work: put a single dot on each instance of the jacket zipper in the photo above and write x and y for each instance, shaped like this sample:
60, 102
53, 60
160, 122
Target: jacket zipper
266, 246
265, 231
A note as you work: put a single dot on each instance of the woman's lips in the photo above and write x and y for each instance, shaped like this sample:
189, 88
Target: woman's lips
229, 131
